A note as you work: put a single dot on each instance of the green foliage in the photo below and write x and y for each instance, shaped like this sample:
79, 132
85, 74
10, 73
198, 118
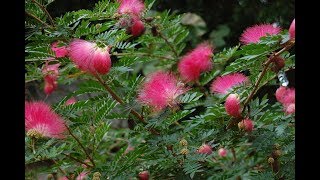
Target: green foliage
199, 117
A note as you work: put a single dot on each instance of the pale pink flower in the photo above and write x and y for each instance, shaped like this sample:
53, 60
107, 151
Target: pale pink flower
89, 57
246, 125
223, 84
292, 29
161, 89
59, 51
131, 7
144, 175
232, 105
82, 176
290, 108
70, 101
195, 62
222, 152
286, 96
137, 27
205, 149
51, 73
42, 121
254, 33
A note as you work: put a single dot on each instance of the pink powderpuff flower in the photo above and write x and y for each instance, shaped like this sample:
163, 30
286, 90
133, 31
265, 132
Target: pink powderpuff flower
196, 62
144, 175
223, 84
70, 101
205, 149
41, 121
137, 27
89, 57
285, 95
51, 73
246, 125
292, 29
222, 152
161, 89
232, 105
82, 176
290, 108
131, 7
59, 51
254, 33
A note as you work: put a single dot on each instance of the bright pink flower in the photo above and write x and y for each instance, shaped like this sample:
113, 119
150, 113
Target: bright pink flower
59, 51
285, 95
82, 176
51, 73
131, 7
160, 90
232, 105
223, 84
222, 152
71, 100
144, 175
89, 57
137, 27
42, 121
254, 33
292, 29
195, 62
246, 124
205, 149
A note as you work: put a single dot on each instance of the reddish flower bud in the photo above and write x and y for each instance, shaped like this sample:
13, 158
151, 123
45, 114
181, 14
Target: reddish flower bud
137, 27
278, 63
246, 125
205, 149
232, 105
144, 175
222, 152
292, 29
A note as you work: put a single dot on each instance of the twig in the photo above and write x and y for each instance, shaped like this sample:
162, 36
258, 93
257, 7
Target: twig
169, 44
233, 154
36, 18
117, 98
63, 172
44, 10
77, 160
78, 141
142, 54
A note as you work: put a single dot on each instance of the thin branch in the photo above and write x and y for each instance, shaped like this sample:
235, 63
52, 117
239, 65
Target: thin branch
36, 18
233, 154
117, 98
78, 141
77, 160
63, 172
44, 10
169, 44
142, 54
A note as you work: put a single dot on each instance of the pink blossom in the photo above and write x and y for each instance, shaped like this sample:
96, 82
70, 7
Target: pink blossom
131, 7
82, 176
286, 96
232, 105
137, 27
205, 149
292, 29
42, 121
51, 73
160, 90
195, 62
70, 101
222, 152
223, 84
89, 57
246, 125
59, 51
290, 108
50, 85
254, 33
144, 175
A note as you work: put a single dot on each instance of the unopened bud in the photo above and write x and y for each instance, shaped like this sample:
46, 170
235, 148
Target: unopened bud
183, 142
270, 160
184, 151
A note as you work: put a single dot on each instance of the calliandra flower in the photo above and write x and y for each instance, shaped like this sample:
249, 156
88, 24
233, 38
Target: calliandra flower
160, 90
232, 105
42, 121
246, 125
59, 51
223, 84
131, 7
205, 149
137, 27
51, 73
89, 57
286, 96
195, 62
292, 29
144, 175
70, 101
222, 152
254, 33
82, 176
290, 108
